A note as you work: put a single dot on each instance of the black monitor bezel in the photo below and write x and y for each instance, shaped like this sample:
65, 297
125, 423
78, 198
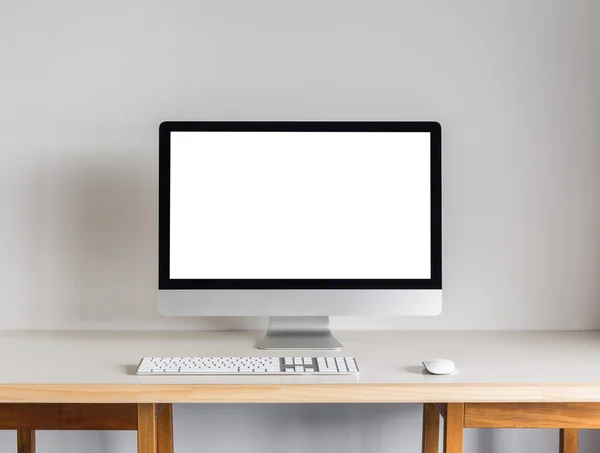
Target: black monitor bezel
166, 283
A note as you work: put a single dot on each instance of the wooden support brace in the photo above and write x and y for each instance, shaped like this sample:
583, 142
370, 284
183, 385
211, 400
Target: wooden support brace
532, 415
568, 441
147, 428
154, 422
165, 429
431, 428
25, 440
68, 416
453, 428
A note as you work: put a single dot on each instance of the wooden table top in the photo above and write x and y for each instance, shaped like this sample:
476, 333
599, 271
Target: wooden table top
96, 367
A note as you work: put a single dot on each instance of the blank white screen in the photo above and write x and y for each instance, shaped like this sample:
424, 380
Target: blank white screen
300, 205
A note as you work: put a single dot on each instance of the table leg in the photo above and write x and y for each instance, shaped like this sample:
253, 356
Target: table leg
147, 428
431, 428
453, 428
25, 440
165, 429
569, 440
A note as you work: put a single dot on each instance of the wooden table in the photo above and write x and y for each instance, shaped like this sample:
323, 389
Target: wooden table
86, 380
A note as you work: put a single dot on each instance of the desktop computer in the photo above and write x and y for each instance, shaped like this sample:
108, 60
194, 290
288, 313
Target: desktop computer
300, 221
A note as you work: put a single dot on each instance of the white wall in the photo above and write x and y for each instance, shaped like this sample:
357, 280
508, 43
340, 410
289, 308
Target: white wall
84, 84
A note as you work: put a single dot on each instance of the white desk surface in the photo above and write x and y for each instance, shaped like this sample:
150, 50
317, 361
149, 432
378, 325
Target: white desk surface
491, 366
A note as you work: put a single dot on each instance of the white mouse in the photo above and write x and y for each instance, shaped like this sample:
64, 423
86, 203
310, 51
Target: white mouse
439, 366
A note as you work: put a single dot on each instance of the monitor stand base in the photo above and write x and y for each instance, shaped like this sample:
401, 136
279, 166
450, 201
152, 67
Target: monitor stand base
299, 332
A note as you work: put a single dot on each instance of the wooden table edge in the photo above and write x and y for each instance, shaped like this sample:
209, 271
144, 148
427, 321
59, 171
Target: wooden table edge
298, 393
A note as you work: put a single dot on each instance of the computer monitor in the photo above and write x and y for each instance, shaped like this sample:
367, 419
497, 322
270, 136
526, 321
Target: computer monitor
299, 221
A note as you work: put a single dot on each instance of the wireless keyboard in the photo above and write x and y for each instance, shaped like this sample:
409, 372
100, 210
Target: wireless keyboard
160, 366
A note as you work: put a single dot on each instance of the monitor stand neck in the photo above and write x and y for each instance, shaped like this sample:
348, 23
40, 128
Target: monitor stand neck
299, 332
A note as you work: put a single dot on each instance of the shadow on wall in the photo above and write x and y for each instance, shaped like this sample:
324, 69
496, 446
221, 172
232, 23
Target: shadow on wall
97, 240
88, 251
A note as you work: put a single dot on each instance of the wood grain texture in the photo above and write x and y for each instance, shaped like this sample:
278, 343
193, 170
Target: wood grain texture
296, 393
147, 432
453, 428
69, 416
568, 441
165, 429
25, 440
15, 416
85, 416
431, 428
534, 415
